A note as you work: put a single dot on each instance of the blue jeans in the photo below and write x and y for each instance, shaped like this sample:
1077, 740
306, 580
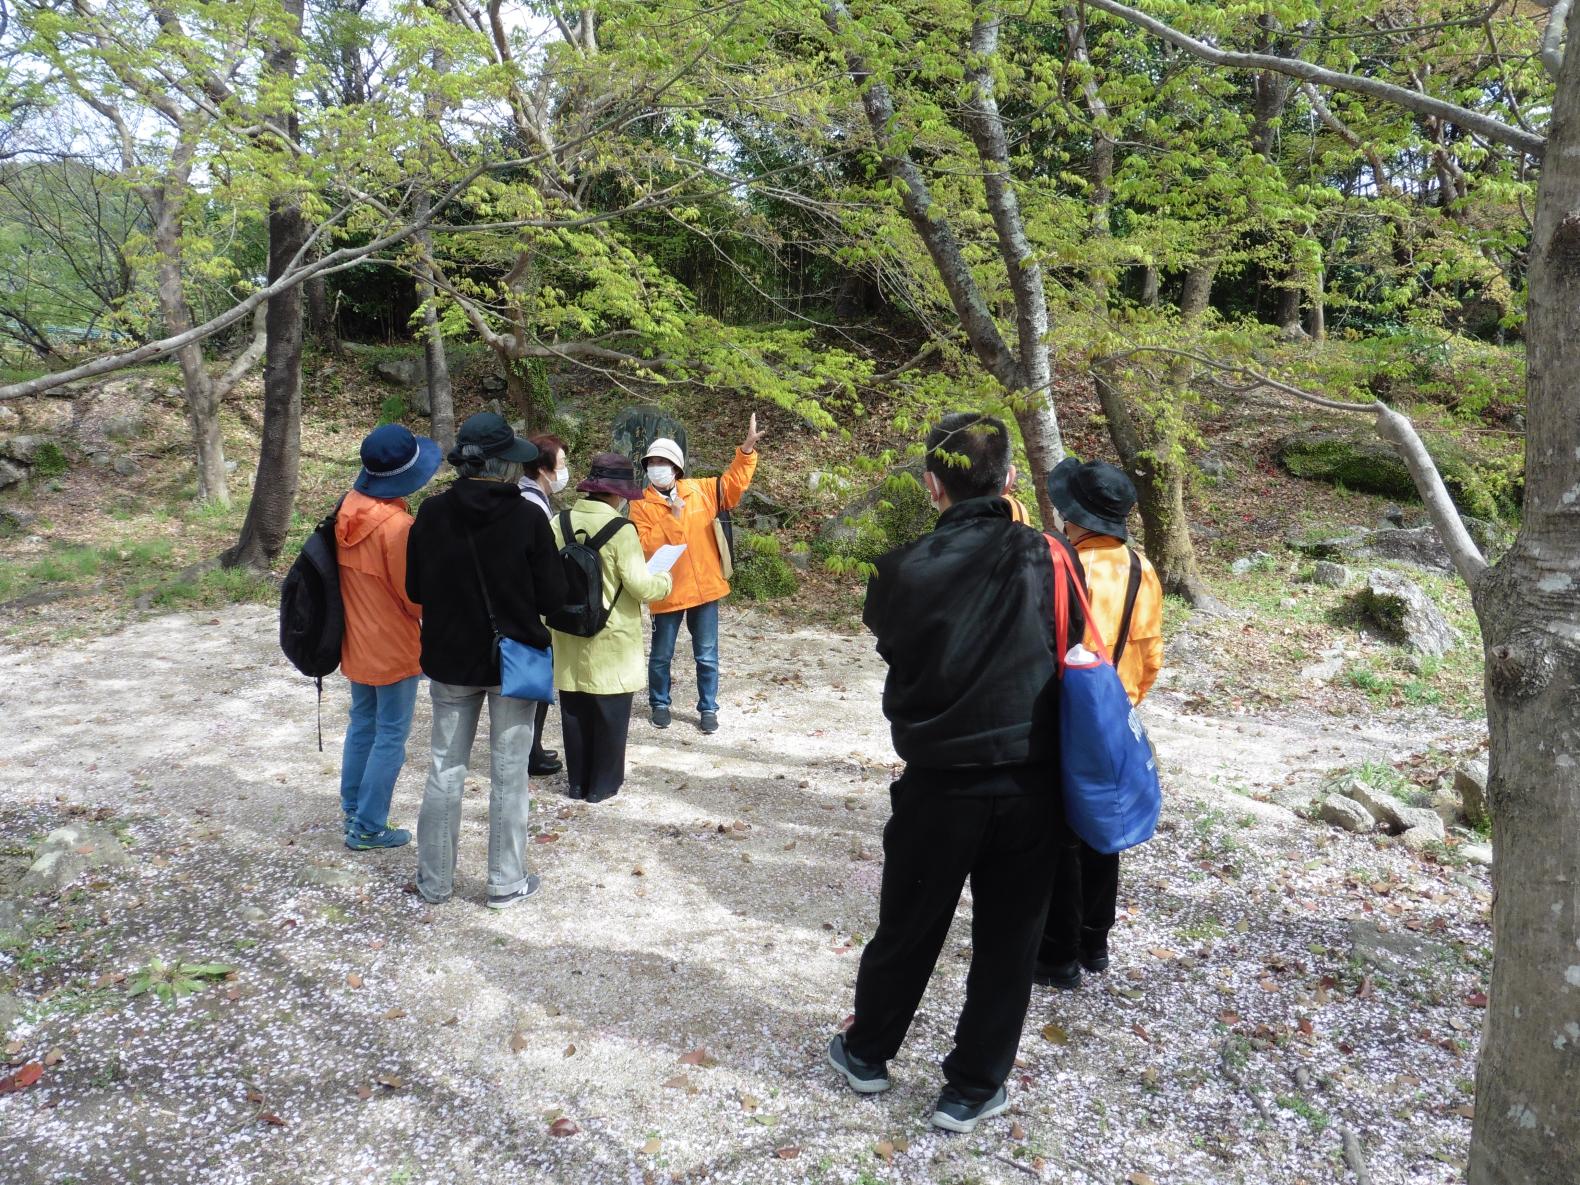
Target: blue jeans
510, 730
374, 752
703, 622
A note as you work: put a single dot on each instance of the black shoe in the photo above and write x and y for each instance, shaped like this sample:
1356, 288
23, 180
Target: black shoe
709, 723
1096, 960
575, 793
1064, 976
864, 1077
604, 797
660, 717
954, 1114
549, 754
544, 766
521, 894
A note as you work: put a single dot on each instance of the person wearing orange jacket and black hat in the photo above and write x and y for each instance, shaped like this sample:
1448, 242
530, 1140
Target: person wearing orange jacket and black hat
379, 651
1093, 500
676, 509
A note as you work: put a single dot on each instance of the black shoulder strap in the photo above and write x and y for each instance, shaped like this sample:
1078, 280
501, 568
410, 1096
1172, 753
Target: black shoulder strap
1131, 589
567, 532
608, 532
488, 602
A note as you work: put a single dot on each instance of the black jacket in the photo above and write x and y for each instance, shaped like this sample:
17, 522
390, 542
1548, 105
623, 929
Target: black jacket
519, 560
964, 618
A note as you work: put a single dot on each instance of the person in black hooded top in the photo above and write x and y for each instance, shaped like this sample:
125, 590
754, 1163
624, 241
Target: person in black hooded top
964, 618
480, 530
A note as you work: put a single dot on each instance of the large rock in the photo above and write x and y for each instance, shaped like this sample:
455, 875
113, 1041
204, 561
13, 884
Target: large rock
21, 449
637, 427
1394, 951
1361, 461
1332, 545
68, 852
760, 513
1422, 826
1470, 783
1420, 546
11, 475
1326, 572
1346, 813
1382, 807
1405, 613
403, 372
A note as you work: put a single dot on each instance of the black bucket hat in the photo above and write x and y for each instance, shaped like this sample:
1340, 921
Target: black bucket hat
487, 435
1094, 495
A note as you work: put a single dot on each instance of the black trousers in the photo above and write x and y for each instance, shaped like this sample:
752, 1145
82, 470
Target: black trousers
537, 733
594, 728
932, 844
1085, 897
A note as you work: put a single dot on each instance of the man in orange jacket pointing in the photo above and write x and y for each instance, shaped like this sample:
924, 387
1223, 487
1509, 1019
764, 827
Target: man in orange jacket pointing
676, 509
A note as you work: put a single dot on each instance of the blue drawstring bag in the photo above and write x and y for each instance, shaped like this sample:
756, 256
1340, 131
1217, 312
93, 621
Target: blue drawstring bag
525, 671
1111, 791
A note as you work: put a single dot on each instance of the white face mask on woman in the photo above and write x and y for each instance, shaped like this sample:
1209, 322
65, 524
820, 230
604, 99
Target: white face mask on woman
562, 478
663, 476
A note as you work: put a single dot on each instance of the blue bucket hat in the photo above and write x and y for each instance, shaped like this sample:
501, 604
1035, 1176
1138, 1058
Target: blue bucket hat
396, 463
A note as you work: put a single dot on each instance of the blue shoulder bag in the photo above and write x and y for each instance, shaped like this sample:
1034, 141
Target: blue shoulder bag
1111, 793
525, 672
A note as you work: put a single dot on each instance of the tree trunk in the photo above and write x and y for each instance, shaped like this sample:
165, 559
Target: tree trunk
202, 402
1196, 291
1317, 319
1527, 1125
1160, 490
1289, 295
1149, 287
441, 401
268, 520
321, 317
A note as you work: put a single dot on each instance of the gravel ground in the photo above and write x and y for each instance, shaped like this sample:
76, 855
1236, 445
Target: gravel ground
659, 1012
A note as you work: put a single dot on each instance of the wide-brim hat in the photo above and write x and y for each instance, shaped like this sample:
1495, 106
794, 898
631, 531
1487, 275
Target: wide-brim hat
1093, 494
396, 462
667, 449
493, 437
611, 473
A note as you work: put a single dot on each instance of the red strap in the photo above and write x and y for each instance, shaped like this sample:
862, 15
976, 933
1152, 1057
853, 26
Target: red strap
1063, 578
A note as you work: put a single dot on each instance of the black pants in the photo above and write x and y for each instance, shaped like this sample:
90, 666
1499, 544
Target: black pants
536, 757
1085, 896
594, 728
931, 845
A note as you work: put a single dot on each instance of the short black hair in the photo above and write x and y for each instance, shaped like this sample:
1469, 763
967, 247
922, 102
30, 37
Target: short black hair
969, 455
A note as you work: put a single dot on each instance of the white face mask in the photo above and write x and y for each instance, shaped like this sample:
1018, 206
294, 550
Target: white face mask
562, 478
663, 476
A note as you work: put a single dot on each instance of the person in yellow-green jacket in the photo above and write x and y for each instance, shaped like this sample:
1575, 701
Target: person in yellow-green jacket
1093, 500
597, 676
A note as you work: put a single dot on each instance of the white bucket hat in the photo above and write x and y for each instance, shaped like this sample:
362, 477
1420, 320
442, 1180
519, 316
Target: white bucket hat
669, 450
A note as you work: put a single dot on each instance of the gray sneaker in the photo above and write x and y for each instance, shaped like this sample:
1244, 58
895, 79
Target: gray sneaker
521, 894
660, 717
864, 1077
709, 722
955, 1114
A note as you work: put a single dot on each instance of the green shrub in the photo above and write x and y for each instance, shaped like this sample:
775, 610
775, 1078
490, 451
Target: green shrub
761, 572
901, 514
49, 460
393, 409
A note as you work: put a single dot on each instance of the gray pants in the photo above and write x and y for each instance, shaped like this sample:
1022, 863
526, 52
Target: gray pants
510, 727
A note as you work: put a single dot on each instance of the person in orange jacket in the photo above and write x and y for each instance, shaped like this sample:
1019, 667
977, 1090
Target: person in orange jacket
379, 651
1093, 500
677, 509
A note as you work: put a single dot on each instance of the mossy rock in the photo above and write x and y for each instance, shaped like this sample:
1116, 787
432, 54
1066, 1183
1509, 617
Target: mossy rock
761, 572
1368, 465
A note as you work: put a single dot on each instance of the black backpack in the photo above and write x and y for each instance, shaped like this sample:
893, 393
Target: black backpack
312, 618
584, 612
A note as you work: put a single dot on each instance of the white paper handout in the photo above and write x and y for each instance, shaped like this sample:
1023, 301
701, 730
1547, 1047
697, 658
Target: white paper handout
664, 558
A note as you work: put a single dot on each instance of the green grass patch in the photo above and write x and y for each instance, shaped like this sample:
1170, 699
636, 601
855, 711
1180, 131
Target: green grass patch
223, 586
50, 460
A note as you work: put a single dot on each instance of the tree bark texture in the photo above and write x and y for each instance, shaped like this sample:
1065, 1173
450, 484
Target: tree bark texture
1196, 290
1160, 490
201, 398
1527, 1125
268, 521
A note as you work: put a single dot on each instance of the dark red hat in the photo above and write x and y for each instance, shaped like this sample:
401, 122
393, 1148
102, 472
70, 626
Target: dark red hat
611, 473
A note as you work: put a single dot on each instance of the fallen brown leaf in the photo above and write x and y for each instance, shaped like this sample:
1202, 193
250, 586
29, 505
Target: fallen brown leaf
271, 1119
452, 1022
391, 1081
1162, 952
564, 1126
518, 1041
570, 1050
1055, 1033
1139, 1178
788, 1152
681, 1082
884, 1150
254, 1095
353, 980
21, 1079
698, 1057
1464, 1110
750, 1103
652, 1147
364, 1093
54, 1056
395, 1014
1016, 1131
